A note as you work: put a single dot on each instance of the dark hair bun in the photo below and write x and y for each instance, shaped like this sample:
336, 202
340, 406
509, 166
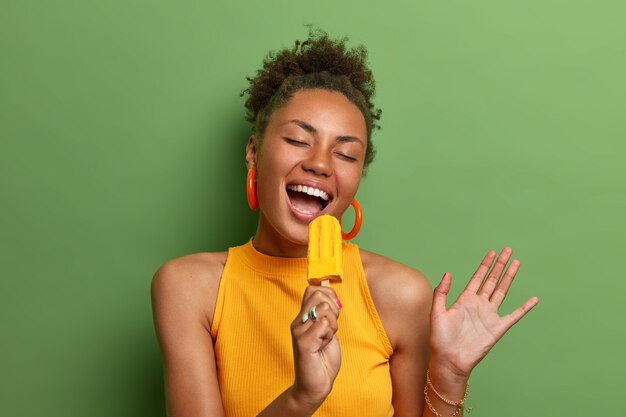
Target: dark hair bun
317, 62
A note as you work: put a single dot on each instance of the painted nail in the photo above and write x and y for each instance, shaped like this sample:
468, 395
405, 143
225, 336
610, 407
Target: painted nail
338, 303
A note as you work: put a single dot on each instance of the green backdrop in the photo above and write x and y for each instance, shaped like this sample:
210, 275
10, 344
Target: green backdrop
122, 146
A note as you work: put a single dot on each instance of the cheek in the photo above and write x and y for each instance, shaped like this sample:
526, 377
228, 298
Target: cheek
276, 157
271, 174
350, 183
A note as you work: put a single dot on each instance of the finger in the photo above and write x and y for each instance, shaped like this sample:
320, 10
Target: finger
521, 311
322, 306
315, 294
440, 294
474, 283
318, 335
318, 312
495, 274
312, 289
300, 325
324, 310
307, 320
326, 331
500, 293
325, 321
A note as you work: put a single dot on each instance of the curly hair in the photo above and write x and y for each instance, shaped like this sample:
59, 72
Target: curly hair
318, 62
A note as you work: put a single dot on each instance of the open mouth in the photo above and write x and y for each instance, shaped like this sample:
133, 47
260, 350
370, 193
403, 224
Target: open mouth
307, 200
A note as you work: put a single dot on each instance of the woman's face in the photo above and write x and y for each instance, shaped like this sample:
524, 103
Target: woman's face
314, 144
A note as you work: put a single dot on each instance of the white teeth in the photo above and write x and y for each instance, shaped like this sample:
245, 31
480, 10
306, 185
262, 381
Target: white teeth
310, 191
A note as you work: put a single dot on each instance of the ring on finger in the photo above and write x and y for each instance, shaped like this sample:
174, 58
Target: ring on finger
312, 313
305, 317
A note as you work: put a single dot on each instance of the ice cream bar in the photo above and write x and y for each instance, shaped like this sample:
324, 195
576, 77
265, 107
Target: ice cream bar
325, 262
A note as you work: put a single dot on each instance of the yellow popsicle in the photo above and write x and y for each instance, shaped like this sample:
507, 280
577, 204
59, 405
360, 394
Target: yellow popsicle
325, 262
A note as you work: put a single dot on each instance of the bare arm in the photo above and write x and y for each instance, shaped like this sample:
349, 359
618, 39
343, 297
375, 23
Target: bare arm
411, 352
403, 297
181, 290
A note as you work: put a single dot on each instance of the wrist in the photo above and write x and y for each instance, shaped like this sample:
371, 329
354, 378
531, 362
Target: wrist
447, 371
302, 404
442, 401
448, 381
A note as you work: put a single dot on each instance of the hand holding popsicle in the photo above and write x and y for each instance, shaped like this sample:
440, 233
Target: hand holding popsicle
317, 356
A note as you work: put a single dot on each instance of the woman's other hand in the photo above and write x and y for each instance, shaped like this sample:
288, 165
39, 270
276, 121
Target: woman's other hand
317, 357
462, 335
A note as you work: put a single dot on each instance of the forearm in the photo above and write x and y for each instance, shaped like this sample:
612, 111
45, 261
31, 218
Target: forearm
444, 384
289, 404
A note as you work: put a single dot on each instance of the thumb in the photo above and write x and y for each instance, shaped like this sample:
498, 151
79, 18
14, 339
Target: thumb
440, 293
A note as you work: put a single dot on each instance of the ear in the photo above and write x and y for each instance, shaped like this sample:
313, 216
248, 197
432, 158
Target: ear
251, 152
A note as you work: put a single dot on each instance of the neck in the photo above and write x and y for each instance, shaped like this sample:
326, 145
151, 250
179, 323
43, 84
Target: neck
269, 241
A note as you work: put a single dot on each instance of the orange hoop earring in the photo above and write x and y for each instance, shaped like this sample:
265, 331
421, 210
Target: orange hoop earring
253, 199
358, 220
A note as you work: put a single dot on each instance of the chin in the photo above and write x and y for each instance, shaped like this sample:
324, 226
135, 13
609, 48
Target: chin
297, 234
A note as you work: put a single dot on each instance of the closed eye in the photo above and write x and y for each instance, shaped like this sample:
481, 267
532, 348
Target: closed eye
346, 157
295, 142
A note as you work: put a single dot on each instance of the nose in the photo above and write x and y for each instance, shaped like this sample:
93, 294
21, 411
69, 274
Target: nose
319, 163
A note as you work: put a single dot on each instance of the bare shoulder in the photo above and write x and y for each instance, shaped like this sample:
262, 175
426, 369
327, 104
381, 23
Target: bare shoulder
189, 273
399, 293
189, 282
393, 279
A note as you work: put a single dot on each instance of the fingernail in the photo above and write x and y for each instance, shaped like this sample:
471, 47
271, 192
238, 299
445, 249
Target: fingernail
338, 303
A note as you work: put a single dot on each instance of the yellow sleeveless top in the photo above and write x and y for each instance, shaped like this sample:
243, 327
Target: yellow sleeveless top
258, 298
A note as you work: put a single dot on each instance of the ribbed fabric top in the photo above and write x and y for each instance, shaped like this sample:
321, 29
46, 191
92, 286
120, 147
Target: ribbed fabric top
258, 298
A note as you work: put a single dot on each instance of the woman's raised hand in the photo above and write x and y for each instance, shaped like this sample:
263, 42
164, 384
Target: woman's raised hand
317, 357
462, 335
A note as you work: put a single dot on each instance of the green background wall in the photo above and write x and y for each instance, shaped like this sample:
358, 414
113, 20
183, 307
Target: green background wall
122, 139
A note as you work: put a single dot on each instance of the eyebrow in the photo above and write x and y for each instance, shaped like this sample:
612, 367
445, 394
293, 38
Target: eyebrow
309, 128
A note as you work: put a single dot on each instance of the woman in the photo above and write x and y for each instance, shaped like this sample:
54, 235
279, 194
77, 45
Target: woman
243, 333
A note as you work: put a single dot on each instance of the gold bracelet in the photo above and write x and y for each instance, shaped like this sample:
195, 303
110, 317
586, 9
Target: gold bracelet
432, 408
445, 400
460, 406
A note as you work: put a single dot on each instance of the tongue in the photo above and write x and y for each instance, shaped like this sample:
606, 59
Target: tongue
305, 203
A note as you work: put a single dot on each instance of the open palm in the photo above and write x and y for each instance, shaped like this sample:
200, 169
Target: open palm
462, 335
